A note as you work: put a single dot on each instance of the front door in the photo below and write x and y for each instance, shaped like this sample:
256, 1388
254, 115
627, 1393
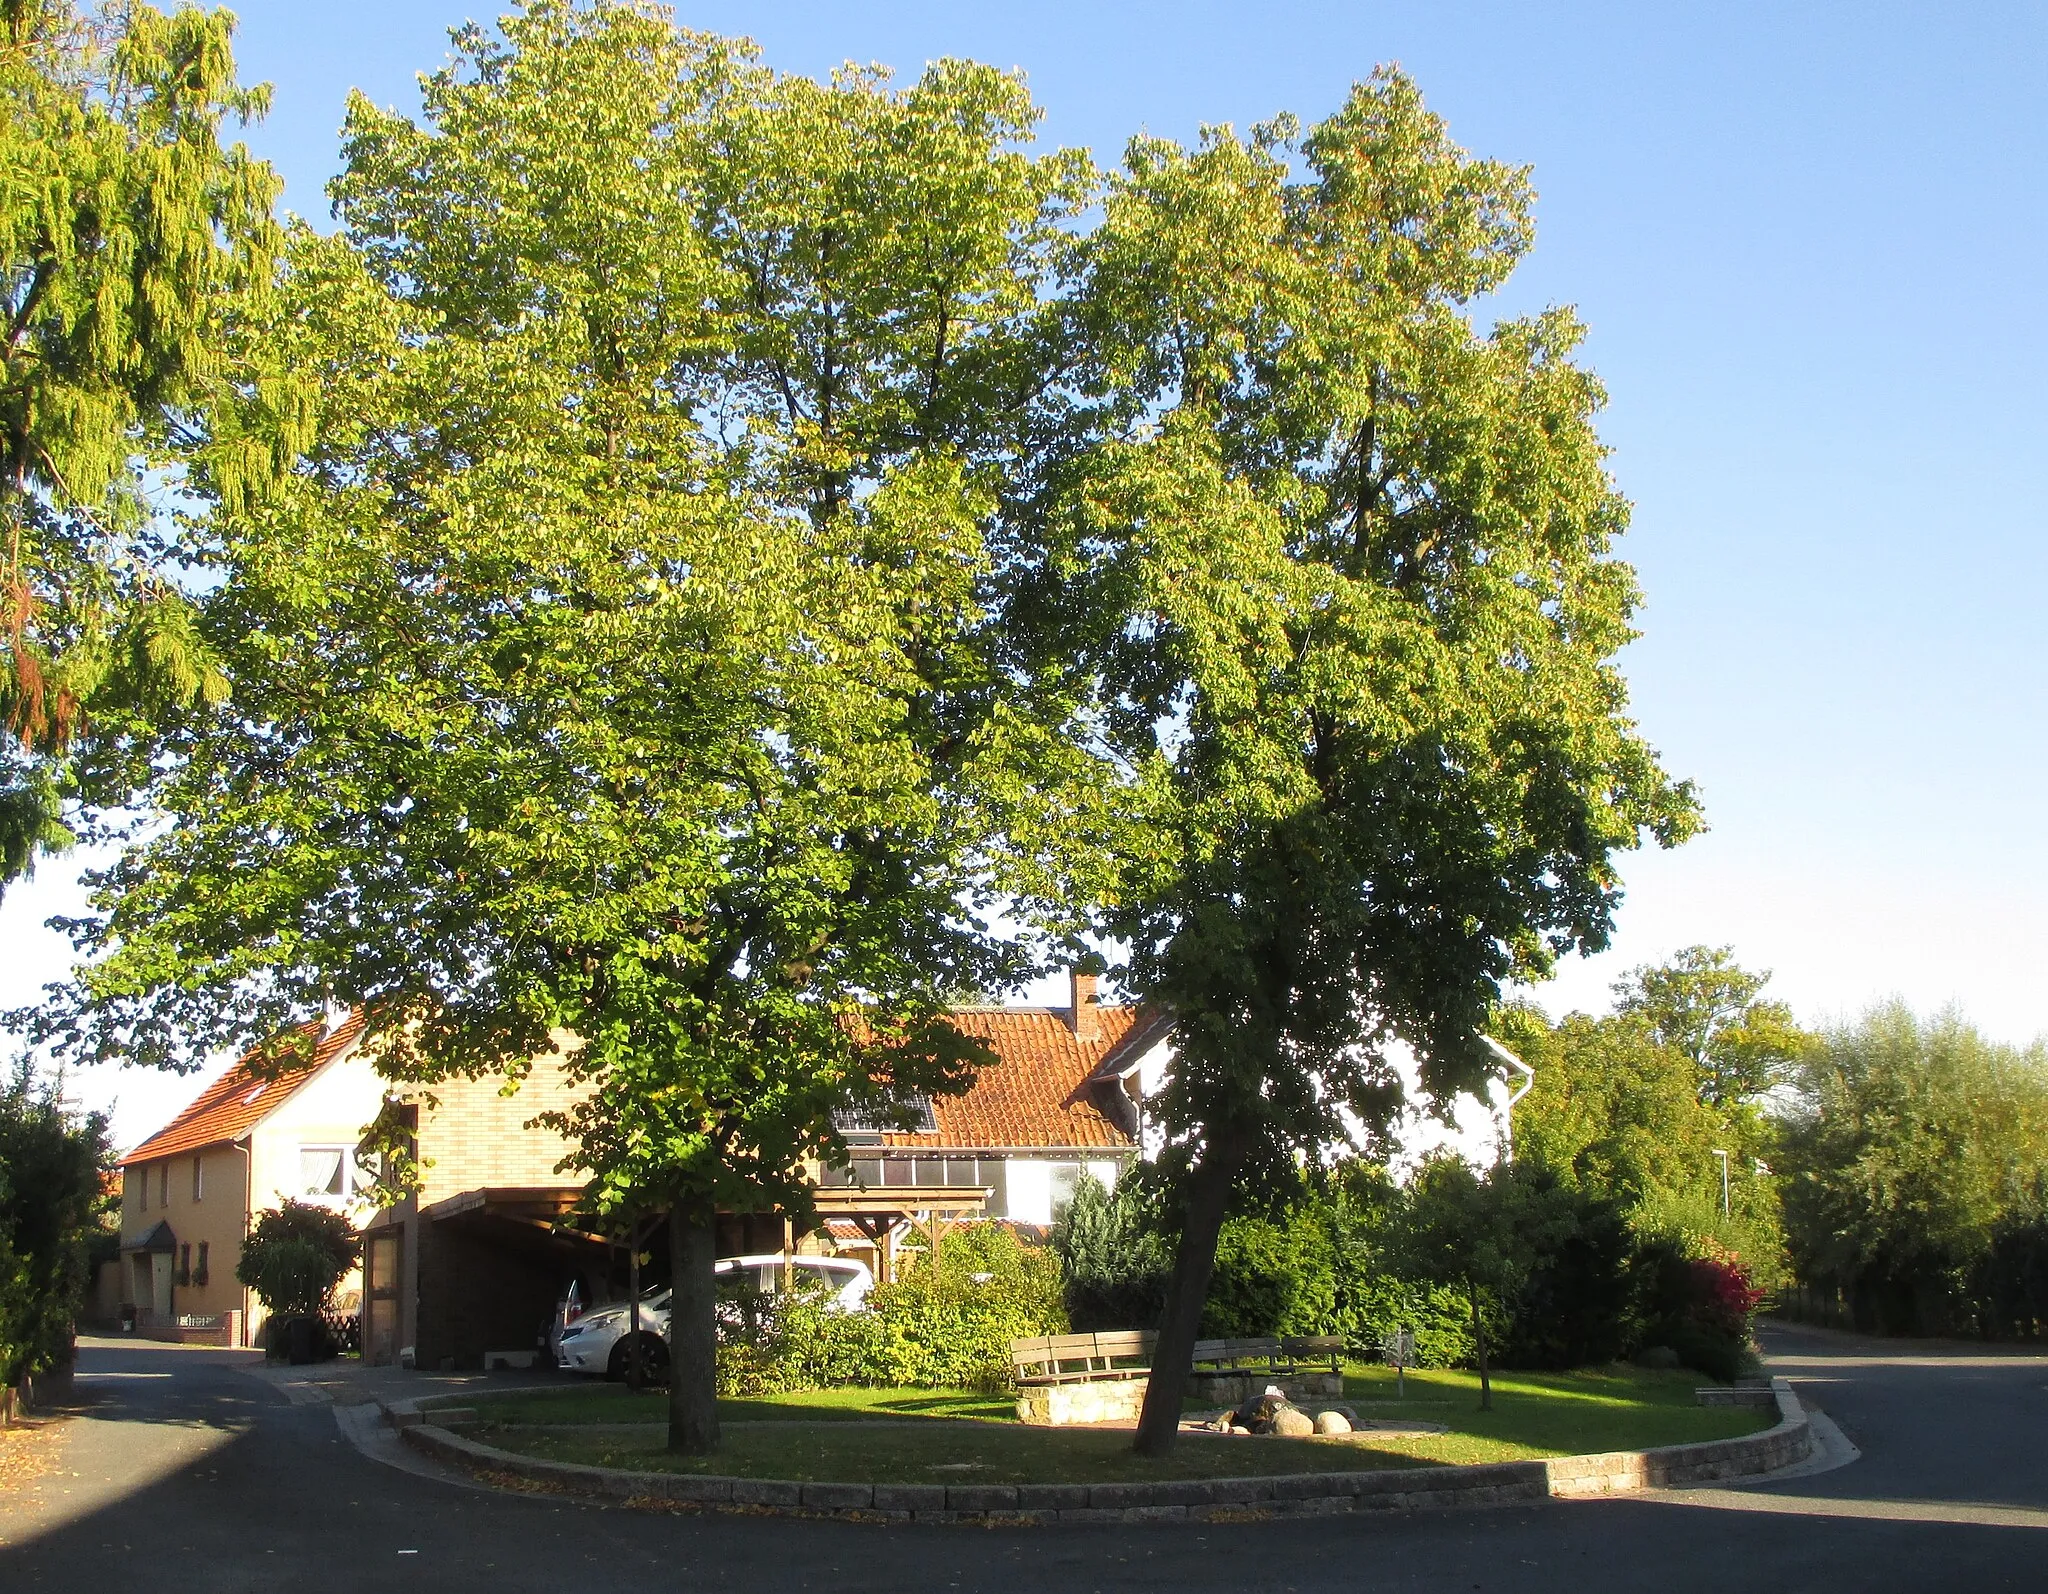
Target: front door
160, 1285
380, 1298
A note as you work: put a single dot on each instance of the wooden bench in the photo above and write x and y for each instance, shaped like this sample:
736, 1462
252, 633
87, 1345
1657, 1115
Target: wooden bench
1082, 1358
1279, 1358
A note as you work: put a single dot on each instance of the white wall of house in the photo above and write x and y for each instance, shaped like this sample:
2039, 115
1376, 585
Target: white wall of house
305, 1151
1034, 1189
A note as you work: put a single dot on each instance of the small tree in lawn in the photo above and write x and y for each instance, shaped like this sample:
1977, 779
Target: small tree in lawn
294, 1257
1474, 1231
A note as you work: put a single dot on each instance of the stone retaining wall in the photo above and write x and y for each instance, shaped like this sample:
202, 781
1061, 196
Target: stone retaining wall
1295, 1494
1098, 1400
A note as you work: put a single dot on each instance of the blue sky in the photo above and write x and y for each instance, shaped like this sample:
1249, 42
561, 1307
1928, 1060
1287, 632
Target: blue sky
1810, 244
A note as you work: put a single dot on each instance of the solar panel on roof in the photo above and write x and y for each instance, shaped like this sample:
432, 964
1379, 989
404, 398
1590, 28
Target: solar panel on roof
882, 1120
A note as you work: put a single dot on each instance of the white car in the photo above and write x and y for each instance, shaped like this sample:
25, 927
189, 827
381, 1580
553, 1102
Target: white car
596, 1342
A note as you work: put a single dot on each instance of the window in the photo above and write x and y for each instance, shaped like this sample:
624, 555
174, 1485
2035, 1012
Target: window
184, 1264
199, 1269
141, 1178
326, 1172
163, 1184
198, 1177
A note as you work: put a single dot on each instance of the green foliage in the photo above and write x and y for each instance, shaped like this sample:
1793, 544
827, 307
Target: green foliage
1705, 1006
130, 237
294, 1257
1317, 1265
1911, 1140
51, 1203
1113, 1260
948, 1327
1339, 574
1617, 1112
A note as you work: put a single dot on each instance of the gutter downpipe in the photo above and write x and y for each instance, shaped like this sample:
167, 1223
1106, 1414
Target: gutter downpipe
1517, 1088
248, 1151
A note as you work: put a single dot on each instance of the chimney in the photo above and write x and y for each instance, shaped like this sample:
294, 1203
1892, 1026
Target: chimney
1082, 1015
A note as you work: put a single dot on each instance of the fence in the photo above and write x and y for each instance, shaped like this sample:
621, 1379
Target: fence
1822, 1304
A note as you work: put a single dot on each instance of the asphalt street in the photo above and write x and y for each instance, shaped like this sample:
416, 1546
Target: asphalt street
184, 1472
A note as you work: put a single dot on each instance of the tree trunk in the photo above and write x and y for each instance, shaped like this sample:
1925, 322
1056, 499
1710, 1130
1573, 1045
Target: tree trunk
1186, 1294
1479, 1338
692, 1332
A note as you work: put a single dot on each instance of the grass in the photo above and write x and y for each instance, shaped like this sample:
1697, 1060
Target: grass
935, 1436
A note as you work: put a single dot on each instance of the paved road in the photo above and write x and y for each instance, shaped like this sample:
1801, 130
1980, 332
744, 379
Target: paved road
189, 1474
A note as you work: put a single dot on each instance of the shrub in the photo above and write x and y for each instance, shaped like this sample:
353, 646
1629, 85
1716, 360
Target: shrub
1577, 1305
947, 1326
295, 1257
1113, 1264
50, 1202
1700, 1306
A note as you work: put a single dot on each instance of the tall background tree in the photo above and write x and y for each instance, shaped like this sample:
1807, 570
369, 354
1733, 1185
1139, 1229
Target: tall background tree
1914, 1147
613, 671
130, 235
1339, 572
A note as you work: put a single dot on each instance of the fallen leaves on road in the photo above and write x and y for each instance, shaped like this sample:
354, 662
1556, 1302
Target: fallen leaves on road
28, 1450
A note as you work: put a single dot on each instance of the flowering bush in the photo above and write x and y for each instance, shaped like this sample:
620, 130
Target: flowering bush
1700, 1305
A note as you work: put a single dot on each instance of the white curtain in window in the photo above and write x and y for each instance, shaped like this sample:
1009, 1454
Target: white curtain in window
320, 1170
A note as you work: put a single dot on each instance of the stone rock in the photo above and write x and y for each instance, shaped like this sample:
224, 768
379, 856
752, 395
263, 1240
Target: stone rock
1291, 1422
1256, 1415
1660, 1358
1332, 1422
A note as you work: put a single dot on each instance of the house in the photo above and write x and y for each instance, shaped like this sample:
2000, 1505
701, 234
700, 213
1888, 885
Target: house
467, 1270
255, 1137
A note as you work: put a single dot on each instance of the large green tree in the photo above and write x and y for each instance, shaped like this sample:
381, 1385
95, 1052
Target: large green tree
1339, 569
1909, 1139
614, 672
130, 236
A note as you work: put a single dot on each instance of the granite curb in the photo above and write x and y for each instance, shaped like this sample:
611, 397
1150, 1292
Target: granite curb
1197, 1499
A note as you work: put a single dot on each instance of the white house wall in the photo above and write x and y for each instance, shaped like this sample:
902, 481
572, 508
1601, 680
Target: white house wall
331, 1109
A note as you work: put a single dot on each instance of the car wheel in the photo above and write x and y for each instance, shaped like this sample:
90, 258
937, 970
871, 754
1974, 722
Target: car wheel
653, 1358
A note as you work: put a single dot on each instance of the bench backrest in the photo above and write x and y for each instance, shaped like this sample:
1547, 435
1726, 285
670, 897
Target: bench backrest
1095, 1352
1232, 1350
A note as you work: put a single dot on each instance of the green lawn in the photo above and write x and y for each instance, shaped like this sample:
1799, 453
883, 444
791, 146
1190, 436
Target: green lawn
935, 1436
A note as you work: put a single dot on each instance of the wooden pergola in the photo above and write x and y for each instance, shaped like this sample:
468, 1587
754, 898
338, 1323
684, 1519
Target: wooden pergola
879, 1211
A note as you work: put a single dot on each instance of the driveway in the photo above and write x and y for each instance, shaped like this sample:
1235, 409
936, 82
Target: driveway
187, 1472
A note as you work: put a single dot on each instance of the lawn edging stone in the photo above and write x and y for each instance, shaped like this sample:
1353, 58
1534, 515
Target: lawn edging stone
1169, 1500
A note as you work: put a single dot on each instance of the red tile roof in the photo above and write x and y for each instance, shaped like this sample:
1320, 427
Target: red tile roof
1043, 1089
244, 1096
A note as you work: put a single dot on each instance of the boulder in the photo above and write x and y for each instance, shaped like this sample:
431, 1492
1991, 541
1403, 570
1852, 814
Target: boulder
1658, 1358
1291, 1422
1332, 1422
1256, 1415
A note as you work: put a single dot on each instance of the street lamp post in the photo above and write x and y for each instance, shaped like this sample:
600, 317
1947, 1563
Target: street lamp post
1724, 1179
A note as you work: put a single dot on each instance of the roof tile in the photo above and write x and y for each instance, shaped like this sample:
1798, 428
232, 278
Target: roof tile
1038, 1092
244, 1096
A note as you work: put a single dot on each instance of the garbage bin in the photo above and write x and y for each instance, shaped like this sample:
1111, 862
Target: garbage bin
302, 1341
